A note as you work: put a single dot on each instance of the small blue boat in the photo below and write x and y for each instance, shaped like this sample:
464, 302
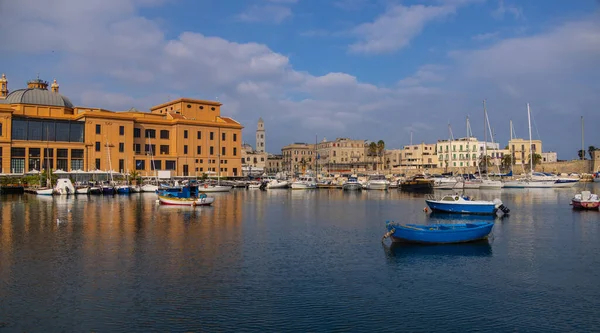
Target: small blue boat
464, 205
438, 233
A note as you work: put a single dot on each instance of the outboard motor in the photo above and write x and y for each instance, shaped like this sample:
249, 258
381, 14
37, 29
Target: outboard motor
263, 186
504, 209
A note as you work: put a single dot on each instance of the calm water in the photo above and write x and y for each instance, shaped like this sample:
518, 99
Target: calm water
292, 261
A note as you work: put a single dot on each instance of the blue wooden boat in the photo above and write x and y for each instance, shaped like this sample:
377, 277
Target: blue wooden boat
438, 233
455, 203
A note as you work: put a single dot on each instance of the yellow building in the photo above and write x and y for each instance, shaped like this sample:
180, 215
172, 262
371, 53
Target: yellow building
342, 155
298, 157
41, 128
463, 152
420, 156
519, 148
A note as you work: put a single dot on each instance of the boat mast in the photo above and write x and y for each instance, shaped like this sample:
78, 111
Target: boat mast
484, 137
491, 134
152, 160
582, 146
219, 158
530, 141
109, 162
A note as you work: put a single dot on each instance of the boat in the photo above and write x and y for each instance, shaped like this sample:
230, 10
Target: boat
596, 176
96, 190
254, 185
464, 205
304, 183
135, 188
214, 188
64, 187
416, 183
438, 233
277, 184
82, 189
446, 183
377, 182
149, 188
108, 189
585, 200
123, 189
170, 199
45, 191
352, 184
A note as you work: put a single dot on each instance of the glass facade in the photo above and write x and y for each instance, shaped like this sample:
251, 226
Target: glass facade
29, 129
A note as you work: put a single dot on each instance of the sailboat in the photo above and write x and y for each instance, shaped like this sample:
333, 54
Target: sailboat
108, 189
487, 183
529, 181
149, 187
48, 190
218, 187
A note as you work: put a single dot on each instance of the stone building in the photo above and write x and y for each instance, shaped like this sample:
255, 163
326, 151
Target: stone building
520, 150
420, 156
40, 128
342, 156
298, 157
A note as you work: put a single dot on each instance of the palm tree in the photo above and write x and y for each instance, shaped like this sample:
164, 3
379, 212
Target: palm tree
537, 159
485, 162
591, 150
581, 154
303, 163
372, 149
507, 161
380, 150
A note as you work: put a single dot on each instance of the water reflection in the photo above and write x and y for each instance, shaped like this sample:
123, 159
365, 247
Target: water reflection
414, 251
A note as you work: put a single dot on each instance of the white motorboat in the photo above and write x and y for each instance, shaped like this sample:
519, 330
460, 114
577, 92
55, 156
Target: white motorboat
214, 188
254, 186
202, 200
45, 191
489, 184
82, 190
377, 182
135, 188
446, 183
64, 187
149, 188
528, 183
585, 200
352, 184
277, 184
304, 183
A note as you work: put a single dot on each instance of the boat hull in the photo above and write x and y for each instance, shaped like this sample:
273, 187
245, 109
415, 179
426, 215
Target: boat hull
95, 190
440, 233
149, 188
215, 188
460, 208
377, 186
585, 204
123, 190
279, 185
352, 187
82, 190
302, 186
48, 191
203, 201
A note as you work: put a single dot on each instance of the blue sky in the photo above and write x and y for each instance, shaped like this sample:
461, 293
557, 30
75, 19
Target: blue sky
343, 68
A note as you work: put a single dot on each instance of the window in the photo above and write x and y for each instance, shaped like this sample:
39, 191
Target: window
98, 129
121, 130
0, 129
185, 134
211, 150
137, 132
234, 151
235, 171
121, 165
164, 134
97, 164
222, 150
121, 147
150, 149
199, 150
150, 133
199, 135
212, 135
185, 149
170, 165
222, 136
234, 137
97, 146
76, 153
140, 165
156, 165
185, 170
137, 148
164, 149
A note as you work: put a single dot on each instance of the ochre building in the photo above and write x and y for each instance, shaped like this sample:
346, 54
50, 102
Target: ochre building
40, 129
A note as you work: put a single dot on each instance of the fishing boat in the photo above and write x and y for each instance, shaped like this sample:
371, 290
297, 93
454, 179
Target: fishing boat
438, 233
95, 190
585, 200
352, 184
201, 200
464, 205
123, 189
304, 183
416, 183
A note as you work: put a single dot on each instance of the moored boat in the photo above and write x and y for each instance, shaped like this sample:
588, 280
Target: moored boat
82, 189
277, 184
201, 200
417, 183
352, 184
377, 182
149, 188
45, 191
304, 183
123, 189
438, 233
214, 188
585, 200
464, 205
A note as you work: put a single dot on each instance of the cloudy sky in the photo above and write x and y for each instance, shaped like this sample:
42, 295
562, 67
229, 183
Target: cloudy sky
365, 69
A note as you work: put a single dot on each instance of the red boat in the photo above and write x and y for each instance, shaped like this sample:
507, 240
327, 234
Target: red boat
585, 200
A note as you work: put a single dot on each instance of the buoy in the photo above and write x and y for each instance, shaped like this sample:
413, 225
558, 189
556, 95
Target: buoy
425, 209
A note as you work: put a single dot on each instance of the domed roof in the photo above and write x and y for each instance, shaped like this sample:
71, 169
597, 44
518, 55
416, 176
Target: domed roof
37, 96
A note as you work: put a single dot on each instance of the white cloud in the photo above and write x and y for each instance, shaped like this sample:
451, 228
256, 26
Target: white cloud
395, 28
504, 9
265, 13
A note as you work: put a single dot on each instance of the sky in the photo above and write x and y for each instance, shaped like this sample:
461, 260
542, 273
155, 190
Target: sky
314, 69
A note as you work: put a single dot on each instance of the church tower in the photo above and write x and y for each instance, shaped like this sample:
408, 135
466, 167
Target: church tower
260, 136
54, 86
3, 87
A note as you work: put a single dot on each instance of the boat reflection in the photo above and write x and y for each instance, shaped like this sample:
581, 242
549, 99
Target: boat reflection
461, 218
474, 249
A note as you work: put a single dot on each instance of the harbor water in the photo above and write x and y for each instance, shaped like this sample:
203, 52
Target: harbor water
302, 261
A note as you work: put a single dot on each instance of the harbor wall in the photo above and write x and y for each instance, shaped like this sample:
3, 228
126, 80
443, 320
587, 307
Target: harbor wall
577, 166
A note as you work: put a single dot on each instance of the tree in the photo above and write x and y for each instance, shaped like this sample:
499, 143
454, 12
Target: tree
372, 149
507, 161
380, 150
485, 161
303, 163
591, 150
135, 175
537, 159
581, 154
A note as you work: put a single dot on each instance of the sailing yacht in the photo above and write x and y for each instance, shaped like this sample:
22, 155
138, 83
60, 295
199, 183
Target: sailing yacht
487, 183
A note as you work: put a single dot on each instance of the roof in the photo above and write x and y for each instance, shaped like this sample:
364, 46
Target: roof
199, 101
38, 97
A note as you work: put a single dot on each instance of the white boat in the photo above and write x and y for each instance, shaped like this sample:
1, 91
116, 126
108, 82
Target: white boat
277, 184
489, 184
304, 183
135, 188
214, 188
254, 186
45, 191
202, 200
64, 187
528, 183
352, 184
149, 188
446, 183
470, 184
82, 190
377, 182
585, 200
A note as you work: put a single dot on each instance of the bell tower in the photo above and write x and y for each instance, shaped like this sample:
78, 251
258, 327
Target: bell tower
3, 87
54, 87
260, 136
